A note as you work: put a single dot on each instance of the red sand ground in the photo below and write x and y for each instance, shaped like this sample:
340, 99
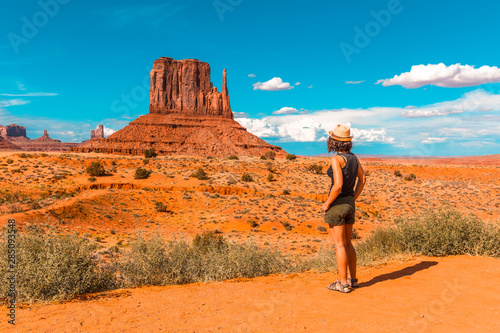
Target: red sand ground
451, 294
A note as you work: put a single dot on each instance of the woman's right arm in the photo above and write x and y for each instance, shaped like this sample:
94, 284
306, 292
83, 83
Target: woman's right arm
361, 181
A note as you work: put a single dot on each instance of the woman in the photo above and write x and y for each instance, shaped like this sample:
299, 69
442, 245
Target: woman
340, 205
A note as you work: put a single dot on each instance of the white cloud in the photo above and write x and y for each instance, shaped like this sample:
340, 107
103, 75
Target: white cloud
310, 87
252, 75
240, 114
275, 84
108, 131
453, 76
286, 110
371, 135
12, 102
355, 82
298, 83
474, 101
39, 94
431, 140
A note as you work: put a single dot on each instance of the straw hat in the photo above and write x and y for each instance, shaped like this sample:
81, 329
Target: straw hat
341, 133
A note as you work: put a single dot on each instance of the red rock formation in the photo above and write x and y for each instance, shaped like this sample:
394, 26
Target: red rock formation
45, 138
14, 130
97, 133
7, 145
187, 116
184, 87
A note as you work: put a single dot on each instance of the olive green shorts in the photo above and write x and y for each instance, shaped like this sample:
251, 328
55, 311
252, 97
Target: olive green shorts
342, 211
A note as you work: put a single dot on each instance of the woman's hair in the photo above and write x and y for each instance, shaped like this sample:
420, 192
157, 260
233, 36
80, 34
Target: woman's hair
338, 146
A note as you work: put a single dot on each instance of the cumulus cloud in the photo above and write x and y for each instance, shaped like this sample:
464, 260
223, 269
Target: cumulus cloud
310, 87
252, 75
453, 76
286, 110
39, 94
108, 131
474, 101
275, 84
355, 82
298, 83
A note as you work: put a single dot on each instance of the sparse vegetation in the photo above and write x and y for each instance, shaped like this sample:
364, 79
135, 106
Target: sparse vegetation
410, 177
9, 161
233, 157
291, 157
145, 161
142, 173
315, 168
398, 173
95, 169
200, 174
246, 177
150, 153
270, 154
270, 177
160, 207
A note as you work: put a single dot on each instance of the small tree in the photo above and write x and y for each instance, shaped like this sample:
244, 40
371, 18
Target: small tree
141, 173
150, 153
270, 154
95, 169
291, 157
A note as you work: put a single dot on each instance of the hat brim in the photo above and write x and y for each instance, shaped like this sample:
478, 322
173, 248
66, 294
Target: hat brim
339, 138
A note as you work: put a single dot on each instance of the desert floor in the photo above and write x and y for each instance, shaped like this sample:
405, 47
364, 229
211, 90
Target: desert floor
434, 294
451, 294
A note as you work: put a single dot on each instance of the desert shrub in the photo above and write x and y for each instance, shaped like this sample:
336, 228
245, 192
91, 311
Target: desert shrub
145, 161
397, 173
9, 161
92, 179
287, 225
291, 157
160, 207
200, 174
253, 223
270, 154
44, 154
315, 168
52, 267
113, 162
209, 257
263, 157
286, 192
410, 177
270, 167
233, 157
22, 155
150, 153
141, 173
246, 177
270, 177
321, 228
95, 169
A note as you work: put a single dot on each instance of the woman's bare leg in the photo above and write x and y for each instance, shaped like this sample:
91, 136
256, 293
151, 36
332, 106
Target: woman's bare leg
351, 252
338, 234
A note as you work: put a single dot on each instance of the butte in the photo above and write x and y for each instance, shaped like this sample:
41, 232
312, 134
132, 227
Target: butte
187, 116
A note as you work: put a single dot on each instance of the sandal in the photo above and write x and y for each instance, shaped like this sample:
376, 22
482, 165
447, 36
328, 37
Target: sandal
353, 283
338, 286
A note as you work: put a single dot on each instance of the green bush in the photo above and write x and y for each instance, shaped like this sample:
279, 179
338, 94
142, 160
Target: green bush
141, 173
95, 169
246, 177
291, 157
52, 267
150, 153
315, 168
270, 177
160, 207
200, 174
270, 154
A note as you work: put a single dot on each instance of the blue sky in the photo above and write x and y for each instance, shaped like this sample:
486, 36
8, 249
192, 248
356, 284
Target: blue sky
295, 68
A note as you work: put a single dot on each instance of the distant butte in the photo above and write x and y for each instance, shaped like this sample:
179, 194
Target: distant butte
187, 116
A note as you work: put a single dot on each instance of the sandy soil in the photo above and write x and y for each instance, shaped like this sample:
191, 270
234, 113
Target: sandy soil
451, 294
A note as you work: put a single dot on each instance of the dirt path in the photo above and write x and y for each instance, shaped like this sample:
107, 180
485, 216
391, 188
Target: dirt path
452, 294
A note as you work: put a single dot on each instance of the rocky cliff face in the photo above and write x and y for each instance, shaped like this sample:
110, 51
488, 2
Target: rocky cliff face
13, 130
187, 116
184, 87
97, 133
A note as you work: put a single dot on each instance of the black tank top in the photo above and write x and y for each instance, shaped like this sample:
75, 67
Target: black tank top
349, 174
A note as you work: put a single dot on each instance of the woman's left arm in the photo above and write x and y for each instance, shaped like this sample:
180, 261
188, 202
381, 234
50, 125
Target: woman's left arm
338, 182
